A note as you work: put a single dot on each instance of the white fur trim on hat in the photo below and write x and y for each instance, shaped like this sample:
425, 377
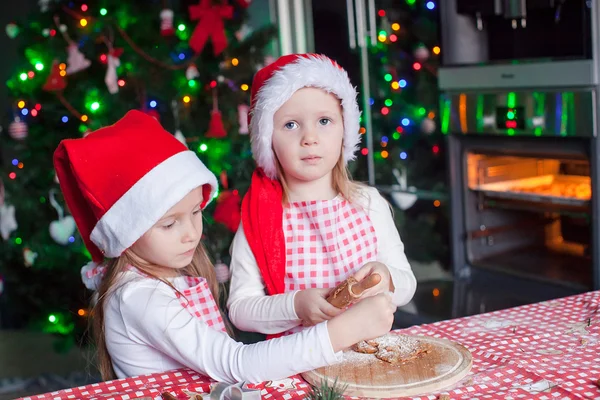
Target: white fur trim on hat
310, 71
148, 200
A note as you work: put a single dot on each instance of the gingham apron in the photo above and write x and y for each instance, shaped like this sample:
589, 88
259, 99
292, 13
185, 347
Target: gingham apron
198, 300
326, 241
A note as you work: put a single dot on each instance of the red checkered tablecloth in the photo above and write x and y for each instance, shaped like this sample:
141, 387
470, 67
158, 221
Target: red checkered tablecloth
548, 350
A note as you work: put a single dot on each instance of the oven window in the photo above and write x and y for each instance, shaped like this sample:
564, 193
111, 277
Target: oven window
530, 216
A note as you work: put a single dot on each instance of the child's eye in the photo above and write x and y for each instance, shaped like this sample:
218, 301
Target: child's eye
324, 121
196, 212
169, 226
290, 125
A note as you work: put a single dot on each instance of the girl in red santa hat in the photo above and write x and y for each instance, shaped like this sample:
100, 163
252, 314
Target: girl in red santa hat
306, 226
137, 195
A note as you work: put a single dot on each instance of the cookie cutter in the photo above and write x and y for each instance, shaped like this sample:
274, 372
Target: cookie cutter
238, 391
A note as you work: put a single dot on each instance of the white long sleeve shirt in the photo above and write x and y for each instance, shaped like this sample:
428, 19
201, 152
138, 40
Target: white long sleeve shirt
148, 330
252, 310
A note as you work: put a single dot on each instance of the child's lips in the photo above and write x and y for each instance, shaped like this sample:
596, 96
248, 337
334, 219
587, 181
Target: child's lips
188, 253
311, 159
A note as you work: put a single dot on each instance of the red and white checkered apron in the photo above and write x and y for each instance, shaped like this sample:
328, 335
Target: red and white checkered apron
326, 241
198, 300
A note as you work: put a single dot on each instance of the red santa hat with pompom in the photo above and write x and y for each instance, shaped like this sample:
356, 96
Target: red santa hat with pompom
274, 84
120, 180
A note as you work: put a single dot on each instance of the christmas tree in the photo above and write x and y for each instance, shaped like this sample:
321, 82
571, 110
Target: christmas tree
84, 65
408, 149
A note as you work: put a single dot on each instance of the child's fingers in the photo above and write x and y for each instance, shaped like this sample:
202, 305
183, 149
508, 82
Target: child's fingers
323, 292
329, 310
320, 317
363, 272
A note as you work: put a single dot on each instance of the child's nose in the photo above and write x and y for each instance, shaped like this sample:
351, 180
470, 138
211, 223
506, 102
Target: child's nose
309, 138
192, 233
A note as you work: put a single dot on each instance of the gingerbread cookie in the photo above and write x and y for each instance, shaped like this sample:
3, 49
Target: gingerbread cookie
394, 349
365, 346
389, 354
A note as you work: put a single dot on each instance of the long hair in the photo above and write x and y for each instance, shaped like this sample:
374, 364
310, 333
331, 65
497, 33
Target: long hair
200, 266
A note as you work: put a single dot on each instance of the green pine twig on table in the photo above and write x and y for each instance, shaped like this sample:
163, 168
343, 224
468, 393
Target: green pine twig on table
325, 391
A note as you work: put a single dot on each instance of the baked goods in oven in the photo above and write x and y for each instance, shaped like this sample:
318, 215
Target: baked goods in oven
582, 191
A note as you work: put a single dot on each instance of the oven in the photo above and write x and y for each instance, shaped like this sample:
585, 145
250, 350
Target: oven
524, 195
519, 103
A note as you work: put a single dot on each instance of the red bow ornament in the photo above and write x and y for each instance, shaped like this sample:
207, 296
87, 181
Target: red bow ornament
210, 24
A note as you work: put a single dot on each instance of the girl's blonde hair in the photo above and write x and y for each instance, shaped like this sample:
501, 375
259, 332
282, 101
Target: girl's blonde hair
200, 266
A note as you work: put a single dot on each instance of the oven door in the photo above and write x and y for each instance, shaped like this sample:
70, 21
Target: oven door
526, 209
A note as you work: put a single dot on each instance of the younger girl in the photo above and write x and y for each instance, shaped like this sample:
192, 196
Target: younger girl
305, 225
137, 196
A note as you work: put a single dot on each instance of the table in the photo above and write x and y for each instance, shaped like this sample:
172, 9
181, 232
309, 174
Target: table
547, 350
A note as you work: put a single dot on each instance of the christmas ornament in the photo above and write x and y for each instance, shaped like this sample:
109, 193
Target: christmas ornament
404, 196
111, 77
62, 229
44, 5
12, 30
421, 53
18, 129
55, 82
243, 118
29, 257
222, 272
428, 126
227, 211
166, 22
210, 24
191, 72
92, 274
223, 179
215, 126
76, 61
8, 223
243, 33
267, 61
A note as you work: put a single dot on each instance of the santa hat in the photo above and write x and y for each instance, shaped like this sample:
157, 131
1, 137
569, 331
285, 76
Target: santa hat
276, 83
120, 180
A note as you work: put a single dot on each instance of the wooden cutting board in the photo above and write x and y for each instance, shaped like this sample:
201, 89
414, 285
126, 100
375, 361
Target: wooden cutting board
367, 376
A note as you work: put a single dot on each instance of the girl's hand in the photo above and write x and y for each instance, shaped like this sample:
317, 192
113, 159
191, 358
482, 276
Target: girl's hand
385, 285
370, 318
312, 308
